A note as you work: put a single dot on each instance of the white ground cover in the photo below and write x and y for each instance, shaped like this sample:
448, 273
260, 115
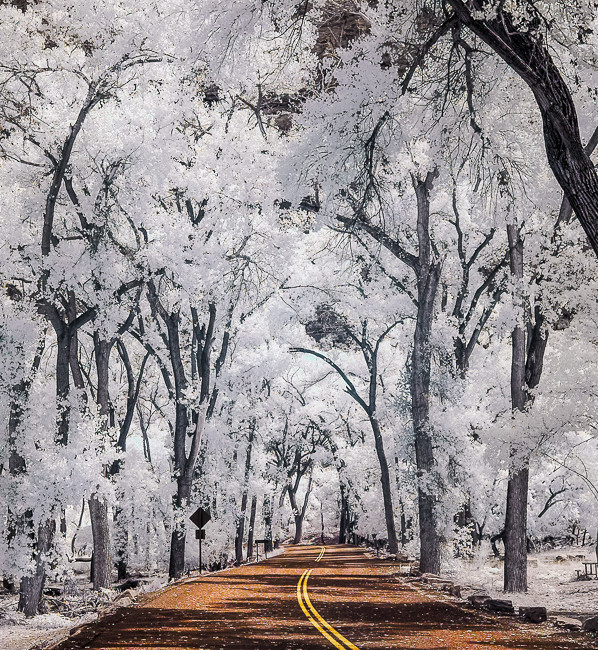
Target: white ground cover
20, 633
551, 580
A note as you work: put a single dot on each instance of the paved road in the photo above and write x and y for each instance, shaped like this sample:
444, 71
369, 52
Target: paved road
310, 598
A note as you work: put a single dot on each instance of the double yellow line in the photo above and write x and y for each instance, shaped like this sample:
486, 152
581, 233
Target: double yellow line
323, 627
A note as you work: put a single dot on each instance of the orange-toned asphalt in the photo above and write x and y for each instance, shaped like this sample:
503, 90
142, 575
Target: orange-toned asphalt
257, 606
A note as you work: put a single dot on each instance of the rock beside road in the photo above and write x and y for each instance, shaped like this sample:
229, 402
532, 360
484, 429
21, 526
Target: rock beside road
533, 614
590, 624
570, 624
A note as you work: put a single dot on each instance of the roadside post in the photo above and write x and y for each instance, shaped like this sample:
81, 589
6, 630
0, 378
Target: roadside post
200, 518
266, 543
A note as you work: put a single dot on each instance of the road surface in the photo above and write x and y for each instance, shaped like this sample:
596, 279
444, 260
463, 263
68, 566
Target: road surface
310, 598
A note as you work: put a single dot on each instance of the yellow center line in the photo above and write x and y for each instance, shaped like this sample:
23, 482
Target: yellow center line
323, 627
311, 619
325, 623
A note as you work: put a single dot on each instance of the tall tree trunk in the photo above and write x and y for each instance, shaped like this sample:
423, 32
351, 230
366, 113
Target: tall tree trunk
16, 462
98, 508
515, 569
241, 518
428, 277
251, 531
240, 533
121, 544
342, 526
267, 515
298, 529
299, 513
176, 566
98, 511
32, 587
393, 545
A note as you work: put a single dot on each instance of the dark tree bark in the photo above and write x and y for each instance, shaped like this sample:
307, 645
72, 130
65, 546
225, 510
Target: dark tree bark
428, 277
98, 508
32, 587
299, 513
515, 568
177, 384
426, 269
391, 531
251, 531
524, 50
344, 516
98, 511
16, 463
64, 325
344, 488
241, 518
267, 517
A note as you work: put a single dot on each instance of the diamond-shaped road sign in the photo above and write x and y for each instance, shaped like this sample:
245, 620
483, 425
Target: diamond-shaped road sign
200, 517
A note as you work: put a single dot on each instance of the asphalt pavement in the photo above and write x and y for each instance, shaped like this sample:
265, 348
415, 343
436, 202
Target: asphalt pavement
311, 598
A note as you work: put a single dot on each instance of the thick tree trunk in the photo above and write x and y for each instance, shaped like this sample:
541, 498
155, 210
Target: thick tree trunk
241, 529
527, 54
121, 542
176, 566
299, 513
428, 277
63, 355
342, 527
241, 520
393, 544
32, 587
297, 516
267, 516
515, 569
298, 529
98, 510
16, 462
404, 538
251, 531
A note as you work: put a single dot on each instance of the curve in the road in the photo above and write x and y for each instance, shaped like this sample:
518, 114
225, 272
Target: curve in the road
323, 627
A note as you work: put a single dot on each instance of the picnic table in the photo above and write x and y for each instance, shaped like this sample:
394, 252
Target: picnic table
590, 569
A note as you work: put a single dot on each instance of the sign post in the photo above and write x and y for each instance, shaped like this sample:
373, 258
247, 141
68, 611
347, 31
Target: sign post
200, 518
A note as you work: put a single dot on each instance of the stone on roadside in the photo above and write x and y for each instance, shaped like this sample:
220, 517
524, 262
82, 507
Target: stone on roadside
453, 589
533, 614
478, 600
129, 593
590, 624
500, 606
570, 624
